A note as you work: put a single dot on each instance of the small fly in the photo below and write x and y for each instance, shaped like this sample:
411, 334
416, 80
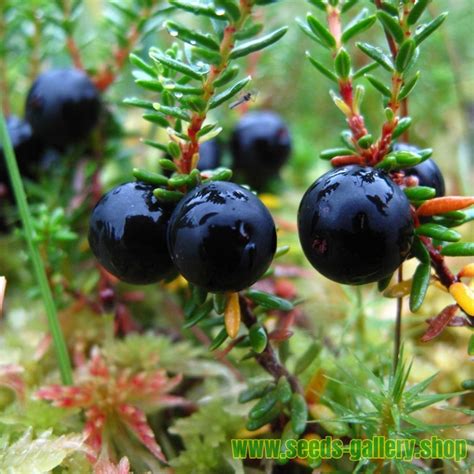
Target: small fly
246, 97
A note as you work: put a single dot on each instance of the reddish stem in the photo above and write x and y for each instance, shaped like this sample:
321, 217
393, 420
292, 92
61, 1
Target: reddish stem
74, 52
446, 277
185, 164
268, 359
109, 72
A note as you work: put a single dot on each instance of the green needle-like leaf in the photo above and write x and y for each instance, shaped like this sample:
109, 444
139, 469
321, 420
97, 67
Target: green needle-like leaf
417, 11
269, 301
438, 232
176, 65
332, 152
265, 404
255, 391
228, 93
353, 30
403, 124
409, 86
143, 65
219, 340
324, 35
419, 193
143, 104
176, 112
461, 249
392, 25
429, 29
150, 177
405, 54
191, 36
342, 64
248, 47
298, 413
377, 55
199, 9
364, 70
258, 338
321, 68
380, 86
421, 281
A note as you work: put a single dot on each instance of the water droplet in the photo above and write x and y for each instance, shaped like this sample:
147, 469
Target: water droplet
220, 11
193, 42
178, 95
173, 32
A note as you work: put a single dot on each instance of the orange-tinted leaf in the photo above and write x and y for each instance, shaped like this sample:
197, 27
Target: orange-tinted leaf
347, 160
437, 325
463, 296
444, 204
315, 387
232, 315
467, 271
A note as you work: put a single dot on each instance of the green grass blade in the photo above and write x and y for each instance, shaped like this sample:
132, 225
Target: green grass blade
40, 273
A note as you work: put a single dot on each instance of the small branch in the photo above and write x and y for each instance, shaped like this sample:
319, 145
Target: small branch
189, 150
70, 41
446, 277
109, 72
268, 358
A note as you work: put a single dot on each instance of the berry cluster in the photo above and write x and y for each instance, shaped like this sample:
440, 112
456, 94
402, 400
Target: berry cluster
220, 236
62, 107
355, 223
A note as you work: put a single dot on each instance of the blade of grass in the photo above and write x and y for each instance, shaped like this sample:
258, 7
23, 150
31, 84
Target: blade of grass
40, 273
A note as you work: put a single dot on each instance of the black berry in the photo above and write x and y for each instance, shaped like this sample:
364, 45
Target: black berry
221, 237
127, 234
260, 146
427, 172
27, 148
62, 106
210, 155
355, 225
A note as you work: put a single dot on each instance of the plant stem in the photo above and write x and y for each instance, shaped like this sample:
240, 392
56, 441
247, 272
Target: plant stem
268, 358
107, 75
360, 316
398, 323
190, 149
5, 102
70, 42
39, 269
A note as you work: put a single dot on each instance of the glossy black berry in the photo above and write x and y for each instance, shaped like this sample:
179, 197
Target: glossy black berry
210, 155
127, 234
62, 106
355, 225
260, 146
28, 149
427, 172
221, 237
